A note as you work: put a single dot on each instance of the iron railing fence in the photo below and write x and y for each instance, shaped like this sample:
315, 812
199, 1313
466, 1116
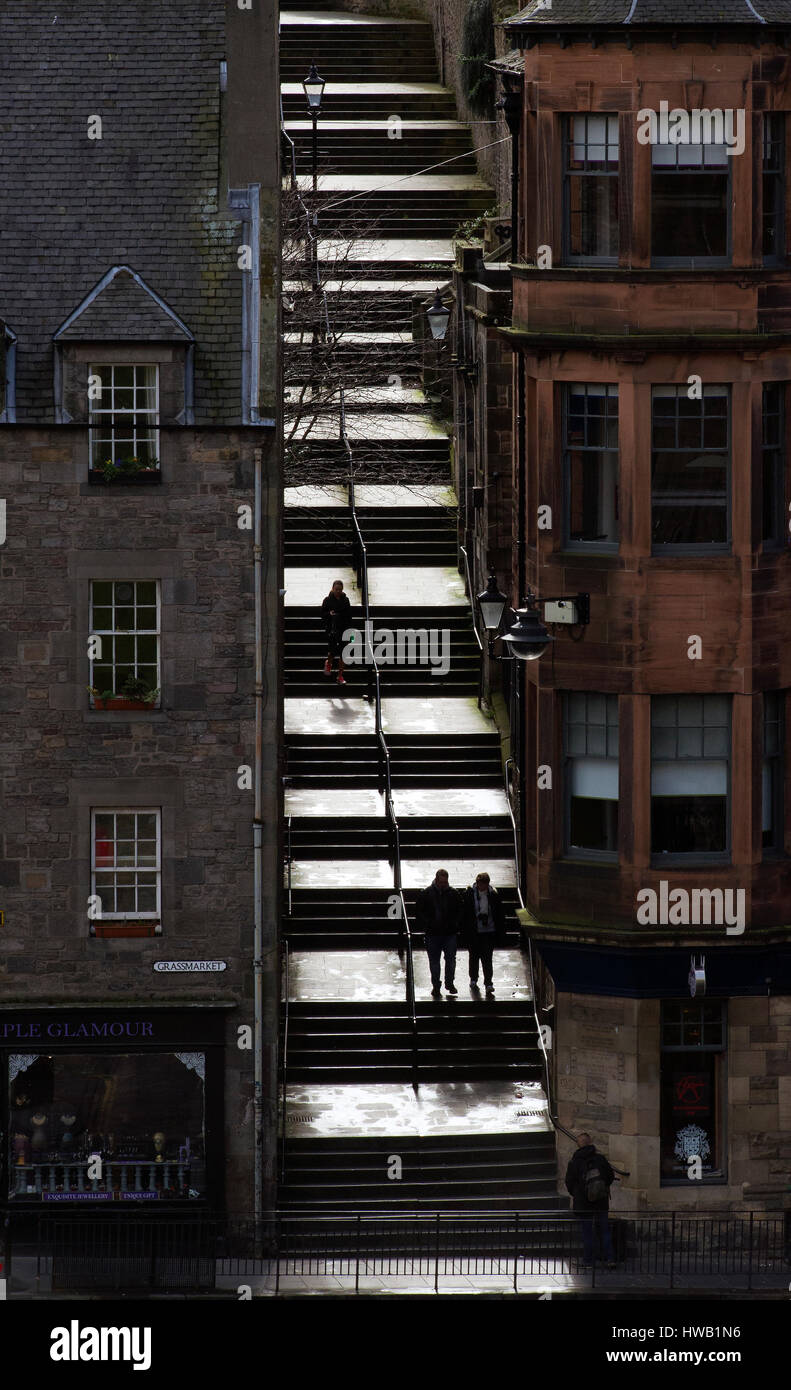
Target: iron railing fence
130, 1251
671, 1250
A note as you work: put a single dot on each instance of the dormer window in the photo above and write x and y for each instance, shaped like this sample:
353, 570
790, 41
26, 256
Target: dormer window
123, 366
124, 416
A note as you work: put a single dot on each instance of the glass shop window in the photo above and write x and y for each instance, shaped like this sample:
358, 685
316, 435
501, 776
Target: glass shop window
143, 1114
691, 1080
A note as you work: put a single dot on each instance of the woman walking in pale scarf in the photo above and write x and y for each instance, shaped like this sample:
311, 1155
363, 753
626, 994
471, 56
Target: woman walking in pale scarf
484, 922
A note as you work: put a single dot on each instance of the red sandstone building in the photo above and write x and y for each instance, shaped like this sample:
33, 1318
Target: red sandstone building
652, 361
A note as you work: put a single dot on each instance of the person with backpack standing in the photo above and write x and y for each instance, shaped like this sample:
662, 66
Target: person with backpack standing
589, 1178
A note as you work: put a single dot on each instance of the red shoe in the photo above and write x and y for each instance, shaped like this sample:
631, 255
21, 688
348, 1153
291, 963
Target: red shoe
341, 681
328, 667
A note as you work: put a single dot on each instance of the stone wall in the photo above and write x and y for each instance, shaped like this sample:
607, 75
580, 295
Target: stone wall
607, 1082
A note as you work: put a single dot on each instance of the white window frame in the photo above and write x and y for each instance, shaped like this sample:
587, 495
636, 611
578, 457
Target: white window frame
97, 412
123, 632
136, 916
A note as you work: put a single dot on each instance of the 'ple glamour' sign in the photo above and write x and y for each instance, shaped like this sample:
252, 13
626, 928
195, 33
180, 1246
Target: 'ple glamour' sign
192, 966
31, 1029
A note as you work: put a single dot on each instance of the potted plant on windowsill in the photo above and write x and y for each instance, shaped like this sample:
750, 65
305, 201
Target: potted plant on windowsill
126, 470
134, 694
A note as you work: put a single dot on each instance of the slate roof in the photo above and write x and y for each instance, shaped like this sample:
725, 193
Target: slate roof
512, 62
144, 195
653, 12
122, 306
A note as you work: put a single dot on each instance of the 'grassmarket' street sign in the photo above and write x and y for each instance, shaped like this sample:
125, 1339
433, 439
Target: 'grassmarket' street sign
191, 966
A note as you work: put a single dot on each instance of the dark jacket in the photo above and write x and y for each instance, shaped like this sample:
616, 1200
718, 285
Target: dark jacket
336, 614
439, 913
575, 1178
470, 920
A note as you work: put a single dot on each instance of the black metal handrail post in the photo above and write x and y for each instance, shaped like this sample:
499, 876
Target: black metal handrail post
471, 597
284, 1063
288, 860
531, 969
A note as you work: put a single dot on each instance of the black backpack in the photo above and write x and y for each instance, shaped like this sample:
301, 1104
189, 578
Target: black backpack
594, 1183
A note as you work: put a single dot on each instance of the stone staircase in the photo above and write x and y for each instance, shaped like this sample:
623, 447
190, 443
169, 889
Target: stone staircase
476, 1136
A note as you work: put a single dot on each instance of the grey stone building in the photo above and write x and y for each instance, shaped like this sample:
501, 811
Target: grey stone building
140, 479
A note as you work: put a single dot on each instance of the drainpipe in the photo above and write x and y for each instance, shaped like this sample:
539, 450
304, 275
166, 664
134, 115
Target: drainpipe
521, 570
258, 924
511, 106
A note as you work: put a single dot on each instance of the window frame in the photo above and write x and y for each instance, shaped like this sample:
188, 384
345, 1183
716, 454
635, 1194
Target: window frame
567, 144
679, 858
136, 916
773, 138
611, 392
94, 631
572, 851
659, 548
775, 540
694, 262
96, 413
775, 761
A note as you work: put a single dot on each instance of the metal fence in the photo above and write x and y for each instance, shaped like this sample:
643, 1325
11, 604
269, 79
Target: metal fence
670, 1250
513, 1252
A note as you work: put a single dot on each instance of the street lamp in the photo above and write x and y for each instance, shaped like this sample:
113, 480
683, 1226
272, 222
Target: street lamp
438, 317
492, 605
528, 639
313, 87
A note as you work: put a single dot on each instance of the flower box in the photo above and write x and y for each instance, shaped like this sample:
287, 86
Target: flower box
126, 929
144, 475
121, 702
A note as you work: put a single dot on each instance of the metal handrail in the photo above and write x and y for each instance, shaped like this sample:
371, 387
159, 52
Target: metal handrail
284, 1062
288, 860
547, 1081
385, 773
471, 597
286, 135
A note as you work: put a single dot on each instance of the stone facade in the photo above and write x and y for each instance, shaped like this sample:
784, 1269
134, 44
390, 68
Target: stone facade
171, 193
607, 1080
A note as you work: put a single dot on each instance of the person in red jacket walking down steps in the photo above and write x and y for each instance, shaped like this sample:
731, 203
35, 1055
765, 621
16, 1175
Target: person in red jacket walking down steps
336, 613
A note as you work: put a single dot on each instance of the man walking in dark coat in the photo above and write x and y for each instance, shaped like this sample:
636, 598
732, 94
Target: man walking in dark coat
336, 614
484, 928
589, 1178
439, 912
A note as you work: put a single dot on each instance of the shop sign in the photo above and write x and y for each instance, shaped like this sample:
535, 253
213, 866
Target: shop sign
190, 966
77, 1196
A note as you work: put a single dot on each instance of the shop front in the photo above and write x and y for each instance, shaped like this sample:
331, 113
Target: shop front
112, 1108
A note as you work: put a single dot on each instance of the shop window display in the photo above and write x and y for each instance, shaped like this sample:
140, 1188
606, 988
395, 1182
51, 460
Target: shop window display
141, 1114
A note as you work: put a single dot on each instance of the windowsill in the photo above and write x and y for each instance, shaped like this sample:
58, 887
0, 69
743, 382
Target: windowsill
590, 858
589, 551
708, 1180
96, 479
683, 552
108, 715
716, 860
